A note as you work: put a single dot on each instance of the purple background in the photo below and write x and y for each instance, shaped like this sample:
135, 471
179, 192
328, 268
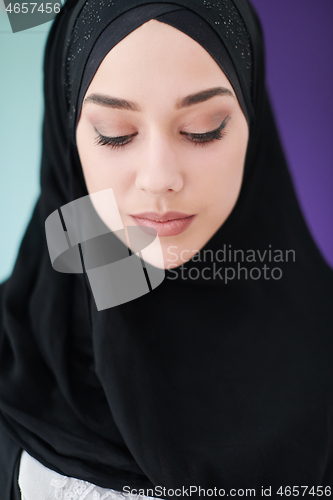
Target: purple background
299, 56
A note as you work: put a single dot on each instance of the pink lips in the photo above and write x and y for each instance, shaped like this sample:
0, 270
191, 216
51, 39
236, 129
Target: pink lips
167, 224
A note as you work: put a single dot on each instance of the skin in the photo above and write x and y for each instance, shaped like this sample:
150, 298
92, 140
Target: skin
162, 169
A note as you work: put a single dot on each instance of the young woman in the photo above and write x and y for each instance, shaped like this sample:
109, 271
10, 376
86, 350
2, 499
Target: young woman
220, 378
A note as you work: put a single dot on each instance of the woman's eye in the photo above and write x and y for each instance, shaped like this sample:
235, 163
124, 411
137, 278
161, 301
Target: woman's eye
114, 142
207, 137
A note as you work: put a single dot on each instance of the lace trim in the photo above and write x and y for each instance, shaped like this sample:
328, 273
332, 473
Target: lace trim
36, 480
75, 489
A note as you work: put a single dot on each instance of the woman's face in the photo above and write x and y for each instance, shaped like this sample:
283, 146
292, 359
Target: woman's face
161, 126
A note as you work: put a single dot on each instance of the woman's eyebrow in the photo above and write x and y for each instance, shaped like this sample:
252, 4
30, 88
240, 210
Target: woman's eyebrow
111, 102
184, 102
202, 96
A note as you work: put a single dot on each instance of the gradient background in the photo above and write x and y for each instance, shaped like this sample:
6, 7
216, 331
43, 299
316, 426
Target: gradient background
299, 48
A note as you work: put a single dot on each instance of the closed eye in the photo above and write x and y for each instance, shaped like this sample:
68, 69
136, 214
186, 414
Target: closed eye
114, 142
208, 137
203, 139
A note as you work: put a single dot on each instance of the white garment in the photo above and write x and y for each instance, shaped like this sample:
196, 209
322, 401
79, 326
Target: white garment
37, 482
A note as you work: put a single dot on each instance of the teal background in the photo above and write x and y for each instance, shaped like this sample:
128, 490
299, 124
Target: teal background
21, 108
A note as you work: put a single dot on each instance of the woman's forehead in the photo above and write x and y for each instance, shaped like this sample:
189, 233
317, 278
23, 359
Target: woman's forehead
173, 65
166, 49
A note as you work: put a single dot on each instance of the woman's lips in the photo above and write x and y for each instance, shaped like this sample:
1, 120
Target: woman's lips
168, 224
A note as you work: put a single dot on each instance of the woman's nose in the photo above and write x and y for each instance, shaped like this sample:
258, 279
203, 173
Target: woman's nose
159, 169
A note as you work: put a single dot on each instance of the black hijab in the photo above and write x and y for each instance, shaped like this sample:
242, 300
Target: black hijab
202, 382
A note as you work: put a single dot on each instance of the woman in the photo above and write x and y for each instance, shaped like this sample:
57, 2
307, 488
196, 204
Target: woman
221, 377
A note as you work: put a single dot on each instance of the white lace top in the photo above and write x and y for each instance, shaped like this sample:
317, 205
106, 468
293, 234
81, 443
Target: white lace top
40, 483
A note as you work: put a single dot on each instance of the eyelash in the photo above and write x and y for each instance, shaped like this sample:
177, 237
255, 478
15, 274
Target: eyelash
208, 137
196, 139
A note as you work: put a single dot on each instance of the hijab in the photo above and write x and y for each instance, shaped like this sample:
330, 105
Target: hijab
211, 383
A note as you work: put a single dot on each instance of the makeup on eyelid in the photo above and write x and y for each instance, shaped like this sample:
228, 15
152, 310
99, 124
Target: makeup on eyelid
202, 138
125, 122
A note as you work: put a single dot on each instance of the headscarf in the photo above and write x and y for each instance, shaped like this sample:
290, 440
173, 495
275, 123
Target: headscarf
210, 383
